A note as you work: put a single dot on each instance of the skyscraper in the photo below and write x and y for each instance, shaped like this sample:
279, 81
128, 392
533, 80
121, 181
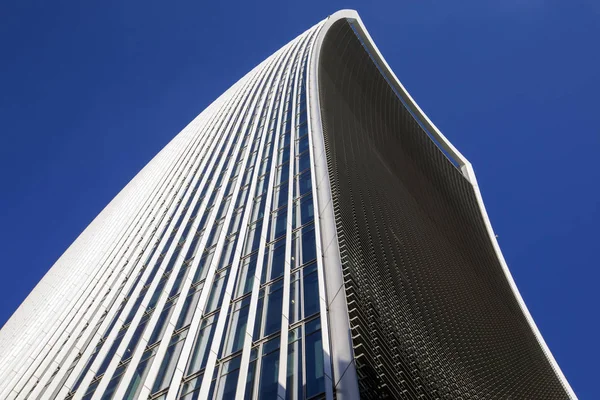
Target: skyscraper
310, 234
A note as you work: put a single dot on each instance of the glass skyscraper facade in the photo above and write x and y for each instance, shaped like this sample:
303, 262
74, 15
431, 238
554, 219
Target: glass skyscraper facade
309, 235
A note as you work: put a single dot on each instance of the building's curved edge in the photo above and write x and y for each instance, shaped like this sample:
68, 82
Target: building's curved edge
342, 367
345, 380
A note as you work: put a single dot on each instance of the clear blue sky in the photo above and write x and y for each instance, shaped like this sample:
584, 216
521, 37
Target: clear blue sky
89, 93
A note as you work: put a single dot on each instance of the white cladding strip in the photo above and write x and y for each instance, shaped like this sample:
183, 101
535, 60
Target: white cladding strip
126, 273
127, 309
151, 291
114, 303
269, 77
156, 313
198, 314
200, 184
278, 101
97, 286
92, 249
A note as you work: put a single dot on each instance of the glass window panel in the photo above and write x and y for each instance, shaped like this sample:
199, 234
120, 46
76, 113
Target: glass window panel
214, 233
191, 389
237, 326
302, 144
303, 161
161, 324
217, 291
224, 207
242, 195
284, 140
189, 307
303, 184
137, 334
228, 252
139, 375
294, 370
202, 344
114, 383
261, 186
303, 212
273, 308
253, 239
167, 367
282, 174
245, 278
268, 380
111, 352
175, 289
248, 175
280, 196
258, 208
250, 380
276, 260
295, 303
236, 221
311, 291
315, 381
259, 313
203, 266
304, 247
228, 379
279, 223
157, 292
301, 120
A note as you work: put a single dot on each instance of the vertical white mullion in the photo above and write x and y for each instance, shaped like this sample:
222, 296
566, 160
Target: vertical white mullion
244, 364
94, 281
165, 222
227, 141
223, 314
158, 212
244, 110
323, 310
135, 227
292, 107
141, 346
155, 282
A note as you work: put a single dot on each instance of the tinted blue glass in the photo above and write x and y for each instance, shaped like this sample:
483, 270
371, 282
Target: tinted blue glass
274, 305
294, 371
217, 291
277, 259
315, 381
187, 312
259, 311
268, 383
280, 223
302, 144
167, 367
139, 374
202, 344
309, 250
311, 294
250, 380
245, 278
281, 195
111, 352
303, 161
304, 184
137, 334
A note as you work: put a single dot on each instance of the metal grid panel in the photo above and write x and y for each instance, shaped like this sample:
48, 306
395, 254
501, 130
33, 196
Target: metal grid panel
431, 311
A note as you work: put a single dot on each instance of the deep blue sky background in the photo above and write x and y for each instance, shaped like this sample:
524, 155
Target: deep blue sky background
89, 93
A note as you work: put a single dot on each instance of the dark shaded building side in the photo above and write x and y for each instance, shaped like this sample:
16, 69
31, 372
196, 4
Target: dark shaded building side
431, 311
